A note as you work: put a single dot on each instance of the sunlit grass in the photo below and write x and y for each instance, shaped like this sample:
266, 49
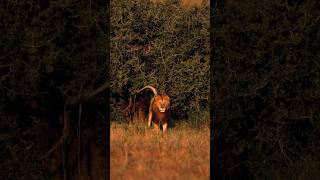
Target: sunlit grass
138, 152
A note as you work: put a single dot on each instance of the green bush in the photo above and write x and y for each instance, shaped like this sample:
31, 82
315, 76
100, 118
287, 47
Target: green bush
165, 45
266, 84
51, 52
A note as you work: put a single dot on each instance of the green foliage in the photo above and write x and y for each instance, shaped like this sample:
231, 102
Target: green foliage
265, 168
51, 52
52, 44
161, 44
199, 119
266, 82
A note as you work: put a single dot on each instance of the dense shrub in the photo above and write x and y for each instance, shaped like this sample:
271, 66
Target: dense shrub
51, 53
266, 86
165, 45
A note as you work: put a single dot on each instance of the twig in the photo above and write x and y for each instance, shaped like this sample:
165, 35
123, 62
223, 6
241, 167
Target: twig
61, 140
97, 91
55, 146
82, 98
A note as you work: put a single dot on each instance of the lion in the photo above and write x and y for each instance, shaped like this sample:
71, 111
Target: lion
159, 109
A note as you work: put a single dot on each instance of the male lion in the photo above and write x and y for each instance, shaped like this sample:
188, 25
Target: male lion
158, 109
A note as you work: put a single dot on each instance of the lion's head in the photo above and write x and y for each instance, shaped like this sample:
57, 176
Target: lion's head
162, 103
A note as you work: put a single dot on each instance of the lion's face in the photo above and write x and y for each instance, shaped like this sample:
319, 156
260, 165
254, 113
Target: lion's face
162, 102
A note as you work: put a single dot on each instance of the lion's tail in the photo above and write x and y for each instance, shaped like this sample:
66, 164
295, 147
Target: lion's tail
149, 87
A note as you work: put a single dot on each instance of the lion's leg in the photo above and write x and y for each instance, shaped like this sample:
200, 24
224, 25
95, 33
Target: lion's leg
150, 113
164, 127
157, 127
149, 119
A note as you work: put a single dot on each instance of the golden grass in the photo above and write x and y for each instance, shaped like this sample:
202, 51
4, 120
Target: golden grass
191, 3
138, 152
187, 3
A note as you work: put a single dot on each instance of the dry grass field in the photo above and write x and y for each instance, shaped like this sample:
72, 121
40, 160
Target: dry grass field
138, 152
188, 3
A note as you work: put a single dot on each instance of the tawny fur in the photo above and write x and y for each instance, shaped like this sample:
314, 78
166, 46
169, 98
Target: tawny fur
159, 109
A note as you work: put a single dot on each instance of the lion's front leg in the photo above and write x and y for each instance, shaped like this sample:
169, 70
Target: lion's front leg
150, 112
164, 127
156, 126
149, 119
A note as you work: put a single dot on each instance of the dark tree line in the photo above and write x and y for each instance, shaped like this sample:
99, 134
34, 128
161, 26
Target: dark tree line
266, 85
52, 57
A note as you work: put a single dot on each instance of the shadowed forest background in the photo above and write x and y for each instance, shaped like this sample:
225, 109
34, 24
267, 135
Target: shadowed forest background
53, 55
265, 88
